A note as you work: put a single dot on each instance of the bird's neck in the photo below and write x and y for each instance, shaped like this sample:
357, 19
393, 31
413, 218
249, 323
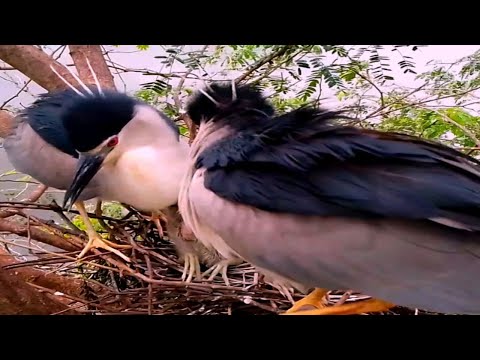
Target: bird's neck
208, 134
147, 177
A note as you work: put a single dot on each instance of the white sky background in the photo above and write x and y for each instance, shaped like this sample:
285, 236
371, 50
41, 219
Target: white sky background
129, 56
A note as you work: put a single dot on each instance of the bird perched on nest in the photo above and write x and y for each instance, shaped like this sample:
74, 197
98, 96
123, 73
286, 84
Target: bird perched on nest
190, 251
100, 144
317, 204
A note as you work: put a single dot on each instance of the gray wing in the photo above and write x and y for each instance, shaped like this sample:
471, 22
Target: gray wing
31, 154
413, 263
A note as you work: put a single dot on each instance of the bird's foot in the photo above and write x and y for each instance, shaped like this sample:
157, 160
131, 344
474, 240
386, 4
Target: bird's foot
155, 218
221, 267
313, 304
283, 288
96, 241
191, 267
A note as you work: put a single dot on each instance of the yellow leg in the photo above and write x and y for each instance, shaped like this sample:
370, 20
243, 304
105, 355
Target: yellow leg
312, 304
95, 240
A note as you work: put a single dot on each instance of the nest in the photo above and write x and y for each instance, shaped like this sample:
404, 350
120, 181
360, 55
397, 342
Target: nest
151, 283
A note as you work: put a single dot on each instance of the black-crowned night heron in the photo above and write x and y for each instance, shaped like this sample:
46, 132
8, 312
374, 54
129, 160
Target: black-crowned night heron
100, 144
317, 204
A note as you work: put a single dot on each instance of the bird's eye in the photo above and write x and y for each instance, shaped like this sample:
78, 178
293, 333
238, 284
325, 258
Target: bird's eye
113, 141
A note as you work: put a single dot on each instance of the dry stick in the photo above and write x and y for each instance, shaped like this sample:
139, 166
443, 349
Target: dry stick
34, 196
16, 95
51, 207
249, 301
38, 235
150, 287
74, 298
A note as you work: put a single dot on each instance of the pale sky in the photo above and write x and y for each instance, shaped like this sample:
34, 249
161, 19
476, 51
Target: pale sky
128, 56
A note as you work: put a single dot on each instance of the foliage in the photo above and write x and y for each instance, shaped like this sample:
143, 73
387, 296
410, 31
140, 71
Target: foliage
432, 125
361, 77
112, 210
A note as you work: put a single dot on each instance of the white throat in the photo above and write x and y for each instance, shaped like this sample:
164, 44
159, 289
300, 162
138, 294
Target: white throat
147, 167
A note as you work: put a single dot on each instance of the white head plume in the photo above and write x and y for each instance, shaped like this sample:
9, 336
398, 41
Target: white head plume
85, 87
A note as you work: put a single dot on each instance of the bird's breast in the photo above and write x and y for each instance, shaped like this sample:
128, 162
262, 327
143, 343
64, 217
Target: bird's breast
145, 178
193, 192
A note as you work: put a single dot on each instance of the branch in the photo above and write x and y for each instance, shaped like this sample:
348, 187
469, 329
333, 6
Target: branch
16, 95
257, 65
34, 196
38, 234
421, 102
35, 64
178, 89
382, 99
383, 107
454, 123
80, 53
278, 66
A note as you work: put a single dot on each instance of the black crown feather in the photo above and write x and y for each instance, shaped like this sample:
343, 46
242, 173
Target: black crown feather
246, 97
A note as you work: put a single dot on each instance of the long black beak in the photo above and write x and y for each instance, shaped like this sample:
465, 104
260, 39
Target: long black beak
88, 166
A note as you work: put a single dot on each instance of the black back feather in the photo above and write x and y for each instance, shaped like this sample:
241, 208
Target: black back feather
304, 163
45, 116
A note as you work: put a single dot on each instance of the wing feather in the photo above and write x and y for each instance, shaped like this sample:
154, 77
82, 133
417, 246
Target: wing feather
304, 163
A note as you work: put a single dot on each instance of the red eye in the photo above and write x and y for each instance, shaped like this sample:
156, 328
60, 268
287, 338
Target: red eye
112, 142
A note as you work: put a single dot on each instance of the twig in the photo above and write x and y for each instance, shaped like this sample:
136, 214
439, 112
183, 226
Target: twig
278, 66
34, 196
258, 64
418, 103
178, 89
74, 298
16, 95
461, 127
150, 286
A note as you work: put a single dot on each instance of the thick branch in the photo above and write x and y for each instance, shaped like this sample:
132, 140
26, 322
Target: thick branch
80, 53
37, 234
35, 64
6, 122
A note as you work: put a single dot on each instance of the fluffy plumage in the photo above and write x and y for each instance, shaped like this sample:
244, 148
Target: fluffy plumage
249, 102
326, 205
341, 170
